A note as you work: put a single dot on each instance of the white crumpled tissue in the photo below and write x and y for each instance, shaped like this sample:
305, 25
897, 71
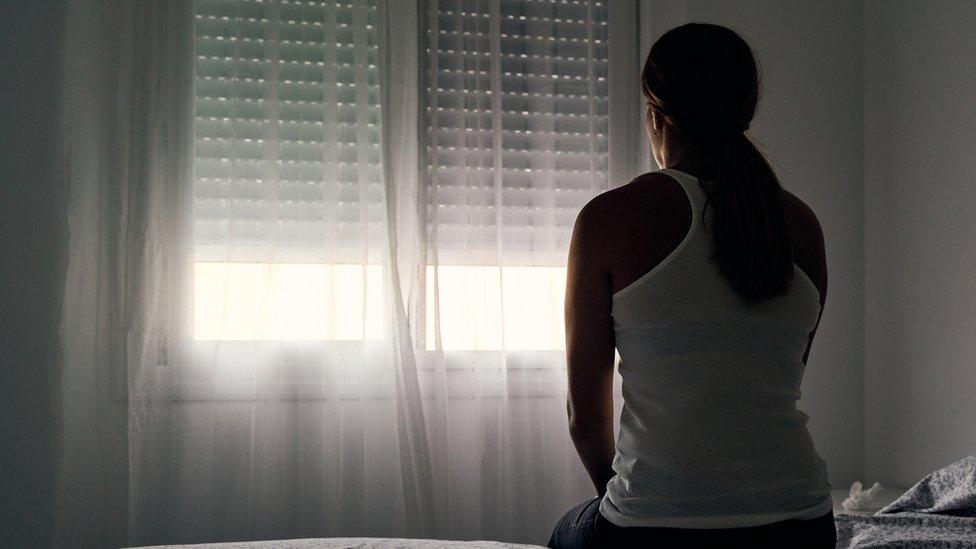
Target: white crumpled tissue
859, 499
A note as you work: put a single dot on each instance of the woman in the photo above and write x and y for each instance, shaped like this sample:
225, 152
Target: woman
709, 279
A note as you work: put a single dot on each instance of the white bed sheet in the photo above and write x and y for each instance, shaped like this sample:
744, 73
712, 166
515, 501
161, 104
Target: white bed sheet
354, 543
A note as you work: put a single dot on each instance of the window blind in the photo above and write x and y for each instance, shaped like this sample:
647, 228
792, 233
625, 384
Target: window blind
517, 125
287, 130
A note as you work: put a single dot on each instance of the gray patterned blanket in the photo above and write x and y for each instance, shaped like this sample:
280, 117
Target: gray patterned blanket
939, 511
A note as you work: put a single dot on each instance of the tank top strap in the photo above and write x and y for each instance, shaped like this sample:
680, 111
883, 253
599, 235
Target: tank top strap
690, 184
696, 195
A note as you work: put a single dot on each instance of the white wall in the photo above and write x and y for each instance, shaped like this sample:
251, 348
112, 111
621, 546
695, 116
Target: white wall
920, 177
810, 123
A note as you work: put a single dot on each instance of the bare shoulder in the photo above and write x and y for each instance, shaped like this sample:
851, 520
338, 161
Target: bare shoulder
649, 183
808, 241
647, 198
609, 207
803, 221
645, 206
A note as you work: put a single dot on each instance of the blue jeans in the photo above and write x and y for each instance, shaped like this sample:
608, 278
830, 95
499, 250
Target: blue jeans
584, 526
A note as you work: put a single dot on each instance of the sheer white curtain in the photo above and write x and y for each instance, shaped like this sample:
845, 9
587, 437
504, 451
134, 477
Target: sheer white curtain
317, 263
515, 139
126, 122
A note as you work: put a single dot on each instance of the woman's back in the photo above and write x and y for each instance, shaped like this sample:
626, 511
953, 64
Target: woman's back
709, 434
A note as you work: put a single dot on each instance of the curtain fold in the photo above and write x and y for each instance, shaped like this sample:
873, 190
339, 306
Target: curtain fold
398, 74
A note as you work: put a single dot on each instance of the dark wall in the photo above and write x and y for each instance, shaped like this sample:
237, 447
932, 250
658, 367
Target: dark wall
33, 248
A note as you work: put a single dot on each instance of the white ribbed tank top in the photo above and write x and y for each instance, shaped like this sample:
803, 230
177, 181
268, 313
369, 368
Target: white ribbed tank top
710, 436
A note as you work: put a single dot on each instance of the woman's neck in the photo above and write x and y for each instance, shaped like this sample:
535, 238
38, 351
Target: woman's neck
681, 156
686, 165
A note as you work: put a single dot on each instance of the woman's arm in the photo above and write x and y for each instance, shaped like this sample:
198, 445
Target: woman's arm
590, 346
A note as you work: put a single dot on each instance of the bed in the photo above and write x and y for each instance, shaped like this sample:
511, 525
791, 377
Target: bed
355, 543
908, 530
939, 511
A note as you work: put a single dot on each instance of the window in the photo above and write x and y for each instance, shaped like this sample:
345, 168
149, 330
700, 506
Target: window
288, 175
287, 169
517, 142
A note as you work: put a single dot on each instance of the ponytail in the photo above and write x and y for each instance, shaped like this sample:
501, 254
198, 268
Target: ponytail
702, 80
750, 234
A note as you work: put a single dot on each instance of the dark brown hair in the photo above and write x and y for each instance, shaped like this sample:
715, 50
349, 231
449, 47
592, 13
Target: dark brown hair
703, 82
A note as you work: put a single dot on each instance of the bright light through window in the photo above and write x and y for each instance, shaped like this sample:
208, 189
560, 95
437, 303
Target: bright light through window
473, 315
481, 308
288, 301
